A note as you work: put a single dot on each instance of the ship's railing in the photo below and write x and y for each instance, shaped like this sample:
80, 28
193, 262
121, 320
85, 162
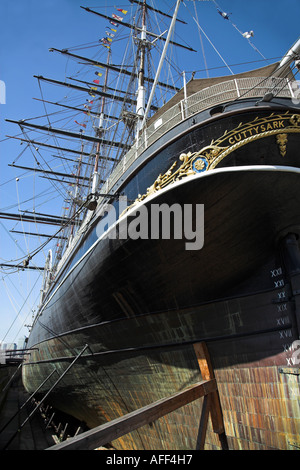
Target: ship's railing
214, 95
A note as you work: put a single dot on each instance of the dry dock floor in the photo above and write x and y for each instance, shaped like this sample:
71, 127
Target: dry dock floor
33, 435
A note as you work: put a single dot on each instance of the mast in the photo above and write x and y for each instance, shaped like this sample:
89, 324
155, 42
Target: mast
141, 92
75, 196
161, 61
93, 202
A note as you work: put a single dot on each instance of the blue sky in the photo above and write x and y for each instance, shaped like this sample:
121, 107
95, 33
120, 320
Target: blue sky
30, 27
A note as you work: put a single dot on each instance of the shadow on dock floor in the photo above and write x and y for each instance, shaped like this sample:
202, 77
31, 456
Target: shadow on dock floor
44, 429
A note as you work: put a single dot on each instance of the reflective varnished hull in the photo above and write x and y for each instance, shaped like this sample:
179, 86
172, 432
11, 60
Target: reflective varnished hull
140, 304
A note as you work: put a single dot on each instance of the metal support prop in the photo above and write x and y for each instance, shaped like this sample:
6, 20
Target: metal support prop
47, 394
12, 378
27, 401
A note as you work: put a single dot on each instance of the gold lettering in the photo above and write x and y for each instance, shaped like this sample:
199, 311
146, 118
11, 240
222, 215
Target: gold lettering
255, 130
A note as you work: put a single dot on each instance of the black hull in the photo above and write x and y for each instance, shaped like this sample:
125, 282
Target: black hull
141, 304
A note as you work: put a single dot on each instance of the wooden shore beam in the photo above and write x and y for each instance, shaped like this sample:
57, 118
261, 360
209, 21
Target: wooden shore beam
207, 388
211, 404
112, 430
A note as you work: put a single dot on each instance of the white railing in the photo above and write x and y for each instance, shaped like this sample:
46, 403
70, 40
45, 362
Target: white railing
216, 94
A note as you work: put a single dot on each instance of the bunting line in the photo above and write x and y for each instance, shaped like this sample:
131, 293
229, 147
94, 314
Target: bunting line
247, 34
105, 41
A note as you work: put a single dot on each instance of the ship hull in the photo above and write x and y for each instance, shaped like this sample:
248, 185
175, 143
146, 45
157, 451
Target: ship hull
140, 305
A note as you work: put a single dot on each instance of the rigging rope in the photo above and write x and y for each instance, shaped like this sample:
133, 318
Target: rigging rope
201, 42
215, 49
18, 313
245, 35
51, 237
44, 104
18, 202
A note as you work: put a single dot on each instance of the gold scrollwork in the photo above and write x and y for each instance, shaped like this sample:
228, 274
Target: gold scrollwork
275, 124
282, 141
210, 156
295, 120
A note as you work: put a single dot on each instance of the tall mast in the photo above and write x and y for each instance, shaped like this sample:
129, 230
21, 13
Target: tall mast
141, 92
93, 202
161, 61
75, 196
